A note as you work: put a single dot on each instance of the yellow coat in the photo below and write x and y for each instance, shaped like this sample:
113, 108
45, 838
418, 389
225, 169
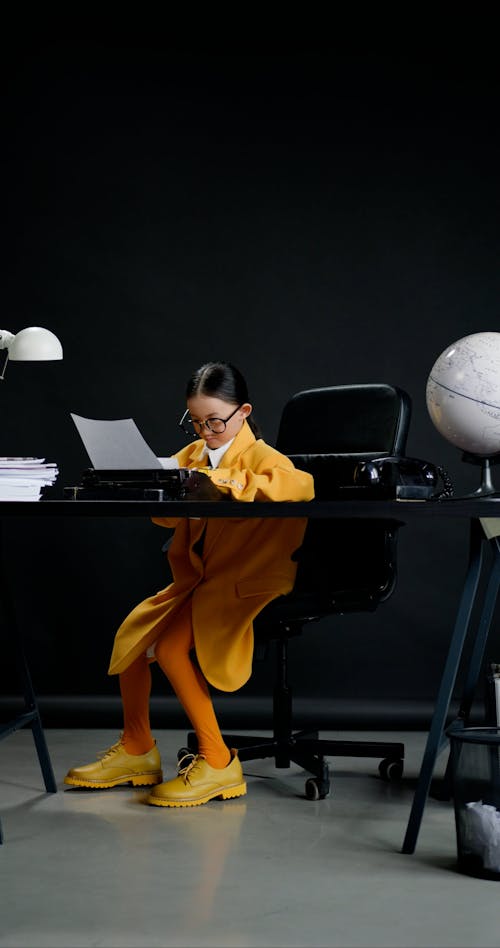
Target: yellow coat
244, 564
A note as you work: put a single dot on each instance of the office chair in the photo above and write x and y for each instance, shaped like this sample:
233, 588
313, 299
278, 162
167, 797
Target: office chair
343, 566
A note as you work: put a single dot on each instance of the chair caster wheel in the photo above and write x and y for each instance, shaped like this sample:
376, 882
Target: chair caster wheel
390, 770
317, 789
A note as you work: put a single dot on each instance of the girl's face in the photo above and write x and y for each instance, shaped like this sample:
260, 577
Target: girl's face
215, 411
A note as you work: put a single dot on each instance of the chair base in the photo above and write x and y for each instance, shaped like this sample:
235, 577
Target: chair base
308, 751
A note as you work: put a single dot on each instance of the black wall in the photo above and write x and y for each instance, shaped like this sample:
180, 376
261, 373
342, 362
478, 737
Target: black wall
317, 218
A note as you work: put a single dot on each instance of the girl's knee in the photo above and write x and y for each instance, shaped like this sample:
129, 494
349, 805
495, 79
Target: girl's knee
171, 649
176, 641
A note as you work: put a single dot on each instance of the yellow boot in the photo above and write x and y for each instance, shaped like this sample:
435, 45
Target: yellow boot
198, 783
115, 767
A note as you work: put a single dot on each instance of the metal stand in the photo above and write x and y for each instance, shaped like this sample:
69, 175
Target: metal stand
30, 716
486, 488
437, 740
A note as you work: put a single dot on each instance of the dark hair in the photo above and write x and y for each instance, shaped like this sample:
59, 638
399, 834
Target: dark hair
221, 380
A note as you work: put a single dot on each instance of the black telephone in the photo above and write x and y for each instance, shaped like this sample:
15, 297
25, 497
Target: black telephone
404, 477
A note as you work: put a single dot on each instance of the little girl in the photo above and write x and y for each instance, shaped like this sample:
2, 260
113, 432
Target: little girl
199, 629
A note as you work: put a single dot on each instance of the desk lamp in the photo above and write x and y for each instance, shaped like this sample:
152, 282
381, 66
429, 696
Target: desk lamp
30, 345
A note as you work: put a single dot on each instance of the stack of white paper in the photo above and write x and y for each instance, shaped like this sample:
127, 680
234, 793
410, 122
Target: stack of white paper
24, 478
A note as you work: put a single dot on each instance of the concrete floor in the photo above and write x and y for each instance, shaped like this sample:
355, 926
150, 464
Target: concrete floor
100, 868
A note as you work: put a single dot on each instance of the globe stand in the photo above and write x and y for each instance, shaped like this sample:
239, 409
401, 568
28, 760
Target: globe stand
486, 488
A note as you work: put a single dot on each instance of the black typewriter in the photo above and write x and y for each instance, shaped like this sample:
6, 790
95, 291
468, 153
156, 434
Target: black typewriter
150, 484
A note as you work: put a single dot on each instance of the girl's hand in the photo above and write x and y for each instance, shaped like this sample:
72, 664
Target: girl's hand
199, 487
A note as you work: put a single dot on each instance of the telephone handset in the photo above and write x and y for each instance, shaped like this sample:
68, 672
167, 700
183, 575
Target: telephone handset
404, 477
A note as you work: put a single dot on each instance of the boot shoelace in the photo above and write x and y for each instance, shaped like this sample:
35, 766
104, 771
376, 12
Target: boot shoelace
102, 755
119, 746
187, 764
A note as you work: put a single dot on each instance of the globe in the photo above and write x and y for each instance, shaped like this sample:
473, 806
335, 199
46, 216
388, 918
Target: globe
463, 394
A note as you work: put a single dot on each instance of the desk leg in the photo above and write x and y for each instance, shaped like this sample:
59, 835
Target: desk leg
30, 716
477, 656
480, 640
436, 740
33, 719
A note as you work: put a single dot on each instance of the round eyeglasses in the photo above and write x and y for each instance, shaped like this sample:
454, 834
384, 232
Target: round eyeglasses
215, 425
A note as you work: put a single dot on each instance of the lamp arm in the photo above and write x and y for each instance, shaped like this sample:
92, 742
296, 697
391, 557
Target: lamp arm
6, 338
2, 376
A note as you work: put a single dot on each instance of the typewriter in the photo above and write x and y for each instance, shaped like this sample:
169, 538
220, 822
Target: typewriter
148, 484
125, 467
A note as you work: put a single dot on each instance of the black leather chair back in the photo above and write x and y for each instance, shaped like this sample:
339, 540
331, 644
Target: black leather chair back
346, 420
343, 565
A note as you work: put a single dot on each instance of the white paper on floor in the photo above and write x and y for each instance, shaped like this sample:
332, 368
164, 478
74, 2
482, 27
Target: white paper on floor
482, 823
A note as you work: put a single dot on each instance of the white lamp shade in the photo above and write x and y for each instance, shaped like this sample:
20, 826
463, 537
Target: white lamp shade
35, 345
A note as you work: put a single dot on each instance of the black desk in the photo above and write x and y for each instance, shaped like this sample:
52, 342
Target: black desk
401, 511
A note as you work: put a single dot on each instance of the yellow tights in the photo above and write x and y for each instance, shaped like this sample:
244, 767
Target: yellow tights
172, 654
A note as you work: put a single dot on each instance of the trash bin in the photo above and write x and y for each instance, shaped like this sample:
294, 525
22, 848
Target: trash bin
475, 775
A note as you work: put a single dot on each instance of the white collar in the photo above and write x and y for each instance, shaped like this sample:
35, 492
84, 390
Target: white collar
216, 454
